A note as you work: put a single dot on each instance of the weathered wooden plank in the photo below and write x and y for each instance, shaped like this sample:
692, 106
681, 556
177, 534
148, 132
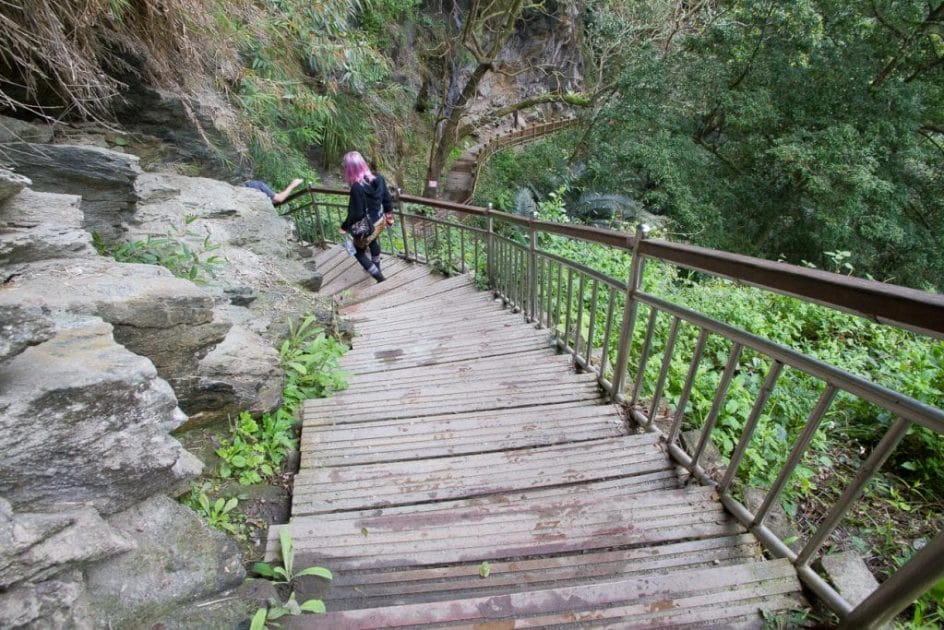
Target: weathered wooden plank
464, 580
365, 486
515, 367
454, 434
408, 274
321, 433
420, 292
456, 325
696, 595
415, 404
569, 456
438, 511
509, 525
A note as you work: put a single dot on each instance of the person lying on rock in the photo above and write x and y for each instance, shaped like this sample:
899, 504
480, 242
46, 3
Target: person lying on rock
276, 197
371, 199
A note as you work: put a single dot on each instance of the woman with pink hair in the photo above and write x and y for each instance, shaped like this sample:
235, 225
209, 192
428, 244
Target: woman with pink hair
370, 198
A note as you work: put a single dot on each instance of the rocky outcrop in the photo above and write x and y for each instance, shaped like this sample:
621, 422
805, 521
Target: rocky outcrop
15, 130
201, 128
57, 603
11, 184
98, 435
154, 314
177, 558
242, 373
42, 226
103, 179
36, 546
99, 361
22, 327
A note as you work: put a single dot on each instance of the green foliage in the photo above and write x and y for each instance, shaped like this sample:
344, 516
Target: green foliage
310, 359
256, 450
171, 251
220, 513
785, 130
543, 167
286, 574
380, 19
310, 78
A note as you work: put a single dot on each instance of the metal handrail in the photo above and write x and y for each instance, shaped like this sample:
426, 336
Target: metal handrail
555, 292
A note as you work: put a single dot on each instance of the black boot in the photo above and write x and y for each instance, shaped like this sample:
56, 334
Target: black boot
375, 272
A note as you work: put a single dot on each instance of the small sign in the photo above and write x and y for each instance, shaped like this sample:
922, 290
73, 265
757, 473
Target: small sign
432, 183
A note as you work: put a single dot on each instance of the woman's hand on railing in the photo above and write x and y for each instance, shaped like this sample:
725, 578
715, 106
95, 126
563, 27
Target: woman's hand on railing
389, 219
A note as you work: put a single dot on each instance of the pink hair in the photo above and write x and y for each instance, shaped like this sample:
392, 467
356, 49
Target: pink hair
356, 169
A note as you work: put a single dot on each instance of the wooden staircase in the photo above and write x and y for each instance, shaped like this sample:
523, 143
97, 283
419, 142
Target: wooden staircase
468, 477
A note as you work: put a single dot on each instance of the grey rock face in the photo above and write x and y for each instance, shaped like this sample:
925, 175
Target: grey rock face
40, 226
95, 435
313, 282
196, 128
36, 546
11, 184
241, 373
15, 130
154, 314
53, 605
104, 179
179, 558
22, 327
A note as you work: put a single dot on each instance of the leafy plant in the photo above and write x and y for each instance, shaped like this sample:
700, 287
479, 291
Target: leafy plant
220, 513
289, 607
170, 251
285, 574
256, 449
310, 358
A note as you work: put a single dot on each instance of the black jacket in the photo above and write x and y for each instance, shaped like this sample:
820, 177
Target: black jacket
367, 198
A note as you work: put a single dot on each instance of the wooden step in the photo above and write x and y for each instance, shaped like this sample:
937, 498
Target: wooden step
457, 434
719, 596
359, 487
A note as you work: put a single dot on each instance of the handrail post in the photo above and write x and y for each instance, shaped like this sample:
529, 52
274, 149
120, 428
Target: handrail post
490, 247
532, 269
399, 205
904, 586
629, 314
321, 228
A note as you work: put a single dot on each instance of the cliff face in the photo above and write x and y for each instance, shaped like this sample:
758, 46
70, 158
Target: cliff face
101, 360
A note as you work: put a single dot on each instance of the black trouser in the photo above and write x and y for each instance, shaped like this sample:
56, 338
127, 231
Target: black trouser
373, 260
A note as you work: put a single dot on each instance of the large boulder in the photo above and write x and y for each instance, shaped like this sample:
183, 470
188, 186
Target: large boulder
87, 422
41, 226
58, 603
201, 128
22, 327
11, 183
178, 558
15, 130
166, 319
104, 179
38, 546
242, 373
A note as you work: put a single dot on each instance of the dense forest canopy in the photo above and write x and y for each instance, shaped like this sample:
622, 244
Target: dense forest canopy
797, 130
787, 129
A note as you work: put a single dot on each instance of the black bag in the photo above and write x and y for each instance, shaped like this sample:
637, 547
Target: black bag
361, 229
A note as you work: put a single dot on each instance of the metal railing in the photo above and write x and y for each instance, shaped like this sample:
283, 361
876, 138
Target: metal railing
613, 328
